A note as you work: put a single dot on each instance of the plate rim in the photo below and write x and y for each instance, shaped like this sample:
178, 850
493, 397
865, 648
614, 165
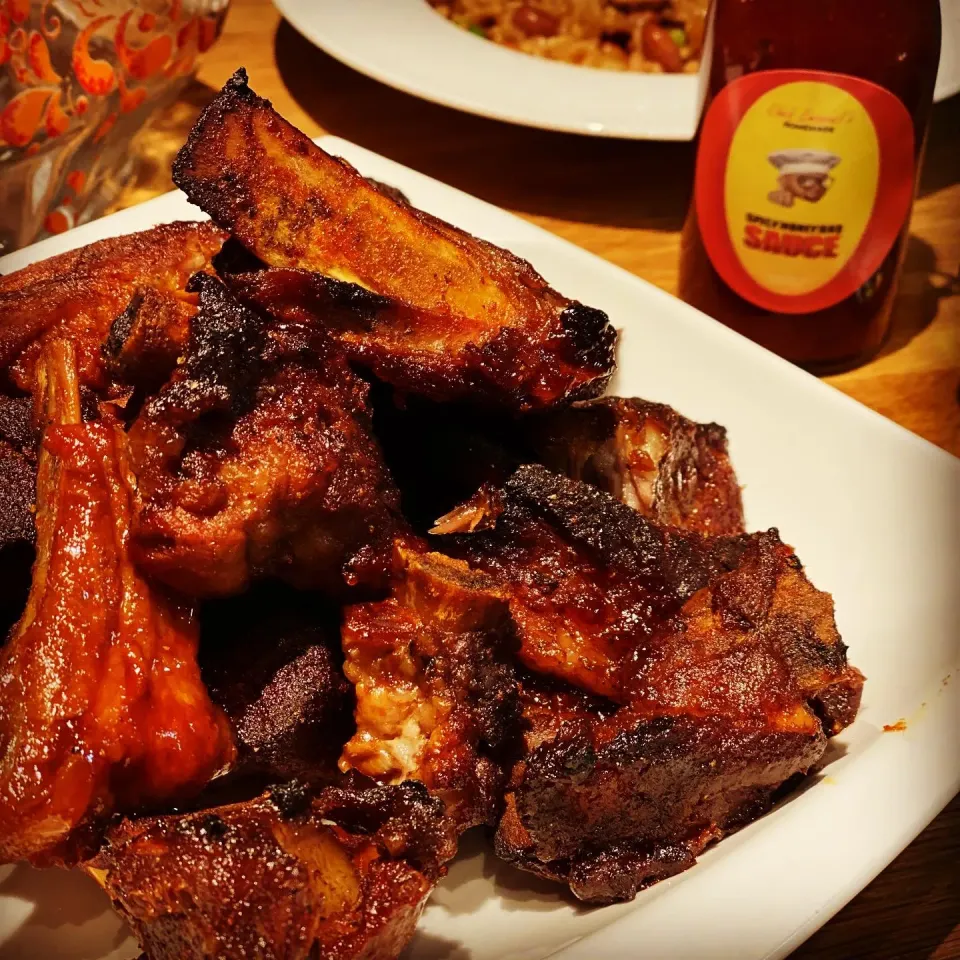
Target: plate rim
678, 125
673, 126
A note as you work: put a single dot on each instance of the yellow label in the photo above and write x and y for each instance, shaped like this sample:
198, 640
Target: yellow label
804, 182
800, 185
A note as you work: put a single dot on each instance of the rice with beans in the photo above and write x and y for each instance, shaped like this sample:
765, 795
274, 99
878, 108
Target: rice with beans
653, 36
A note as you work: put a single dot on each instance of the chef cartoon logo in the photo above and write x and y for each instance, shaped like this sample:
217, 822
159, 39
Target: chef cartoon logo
802, 175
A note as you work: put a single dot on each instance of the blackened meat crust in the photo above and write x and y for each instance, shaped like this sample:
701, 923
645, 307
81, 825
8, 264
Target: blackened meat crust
272, 662
463, 319
617, 804
18, 492
18, 471
256, 459
590, 578
147, 339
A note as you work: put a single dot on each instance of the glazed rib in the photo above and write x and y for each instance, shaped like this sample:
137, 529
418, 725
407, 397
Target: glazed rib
675, 683
649, 456
729, 702
590, 578
436, 694
76, 296
256, 460
343, 873
101, 703
429, 308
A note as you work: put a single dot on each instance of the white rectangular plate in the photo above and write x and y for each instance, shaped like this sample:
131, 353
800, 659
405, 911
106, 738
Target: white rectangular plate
874, 513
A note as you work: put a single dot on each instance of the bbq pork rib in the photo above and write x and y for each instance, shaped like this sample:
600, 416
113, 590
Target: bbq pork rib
148, 338
671, 469
256, 459
76, 296
727, 704
589, 578
343, 873
675, 683
436, 693
421, 304
101, 702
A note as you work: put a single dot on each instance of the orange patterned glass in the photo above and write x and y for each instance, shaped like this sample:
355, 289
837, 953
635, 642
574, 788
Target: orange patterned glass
78, 79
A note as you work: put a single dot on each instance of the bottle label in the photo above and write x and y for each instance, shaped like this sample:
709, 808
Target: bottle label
804, 181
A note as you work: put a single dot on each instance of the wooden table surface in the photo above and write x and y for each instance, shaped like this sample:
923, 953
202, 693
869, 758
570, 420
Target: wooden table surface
625, 201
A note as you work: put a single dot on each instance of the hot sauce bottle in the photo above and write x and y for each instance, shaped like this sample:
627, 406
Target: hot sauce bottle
807, 163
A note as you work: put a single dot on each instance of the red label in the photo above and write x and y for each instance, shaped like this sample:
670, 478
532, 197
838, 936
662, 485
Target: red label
804, 181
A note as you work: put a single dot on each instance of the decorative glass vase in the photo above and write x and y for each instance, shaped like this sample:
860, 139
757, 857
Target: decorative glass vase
78, 80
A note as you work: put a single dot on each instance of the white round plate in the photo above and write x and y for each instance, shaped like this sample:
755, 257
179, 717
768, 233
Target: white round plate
948, 76
407, 45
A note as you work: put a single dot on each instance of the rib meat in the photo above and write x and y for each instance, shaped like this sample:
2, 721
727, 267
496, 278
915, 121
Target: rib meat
436, 695
423, 305
590, 578
731, 700
343, 873
688, 680
148, 338
612, 805
76, 296
256, 459
271, 659
649, 456
672, 470
101, 703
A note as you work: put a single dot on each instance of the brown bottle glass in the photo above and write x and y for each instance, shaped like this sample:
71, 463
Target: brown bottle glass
893, 44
